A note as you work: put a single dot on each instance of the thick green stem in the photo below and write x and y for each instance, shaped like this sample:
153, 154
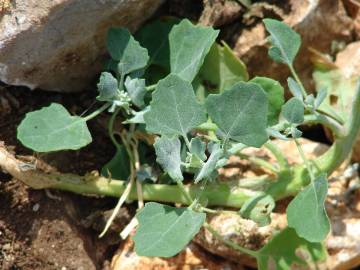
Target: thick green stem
97, 112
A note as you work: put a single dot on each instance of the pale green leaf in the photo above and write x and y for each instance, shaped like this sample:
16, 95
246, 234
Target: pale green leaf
164, 231
138, 117
53, 128
124, 49
198, 147
295, 88
136, 89
284, 251
293, 111
189, 44
107, 87
275, 94
174, 109
210, 165
285, 41
168, 156
241, 113
258, 208
320, 97
306, 212
119, 166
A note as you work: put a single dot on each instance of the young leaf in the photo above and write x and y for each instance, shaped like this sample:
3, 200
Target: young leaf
306, 212
168, 156
241, 113
295, 88
285, 249
107, 87
197, 147
174, 109
138, 117
258, 209
293, 111
124, 49
275, 94
189, 44
320, 97
285, 41
136, 89
52, 129
118, 167
210, 164
164, 231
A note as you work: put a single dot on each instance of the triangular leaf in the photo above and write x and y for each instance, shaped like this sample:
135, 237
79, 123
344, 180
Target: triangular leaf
138, 117
174, 109
197, 147
168, 156
107, 87
306, 212
210, 165
119, 166
295, 88
136, 89
258, 208
52, 129
189, 44
164, 231
293, 111
241, 113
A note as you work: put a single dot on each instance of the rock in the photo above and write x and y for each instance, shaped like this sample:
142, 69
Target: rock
60, 45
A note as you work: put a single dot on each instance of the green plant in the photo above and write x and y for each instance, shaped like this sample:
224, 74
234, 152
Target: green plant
199, 110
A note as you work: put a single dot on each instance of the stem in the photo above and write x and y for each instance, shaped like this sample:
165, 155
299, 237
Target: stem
297, 79
259, 162
230, 243
111, 128
184, 191
151, 87
305, 160
337, 129
280, 157
97, 112
187, 142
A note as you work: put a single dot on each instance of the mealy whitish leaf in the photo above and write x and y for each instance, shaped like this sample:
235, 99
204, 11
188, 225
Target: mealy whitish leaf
258, 208
164, 231
193, 161
124, 49
276, 134
306, 212
241, 113
293, 111
137, 90
53, 128
286, 250
285, 41
210, 165
198, 147
168, 156
174, 109
119, 166
155, 37
295, 88
275, 94
295, 133
189, 44
222, 68
138, 117
107, 87
320, 97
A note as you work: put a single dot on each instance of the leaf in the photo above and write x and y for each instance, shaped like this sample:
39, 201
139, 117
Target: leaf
168, 156
306, 212
275, 94
107, 87
118, 167
284, 251
258, 208
197, 147
285, 41
164, 231
320, 97
126, 50
52, 129
295, 88
222, 68
240, 113
293, 111
174, 109
136, 89
138, 117
210, 165
189, 44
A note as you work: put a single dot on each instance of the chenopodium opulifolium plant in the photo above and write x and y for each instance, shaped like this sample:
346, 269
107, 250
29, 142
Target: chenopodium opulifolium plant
200, 109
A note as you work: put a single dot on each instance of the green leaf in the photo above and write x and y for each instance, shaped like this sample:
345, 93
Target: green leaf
126, 50
275, 94
295, 88
174, 109
320, 97
284, 251
189, 44
52, 129
306, 212
164, 231
285, 41
136, 89
138, 117
293, 111
119, 166
222, 68
241, 113
107, 87
258, 208
210, 165
168, 156
198, 147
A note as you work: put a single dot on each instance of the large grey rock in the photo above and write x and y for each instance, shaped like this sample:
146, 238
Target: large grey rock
59, 45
